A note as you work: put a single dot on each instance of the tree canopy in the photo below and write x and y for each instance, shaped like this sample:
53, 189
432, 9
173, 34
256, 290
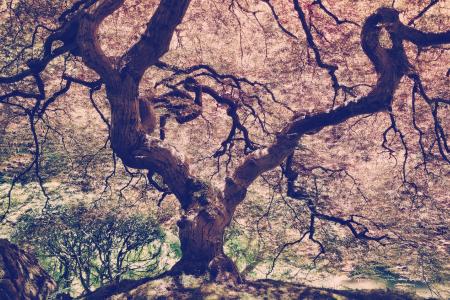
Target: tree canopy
311, 129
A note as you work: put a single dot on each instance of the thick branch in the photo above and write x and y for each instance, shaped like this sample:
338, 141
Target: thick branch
88, 43
424, 39
390, 65
155, 41
175, 172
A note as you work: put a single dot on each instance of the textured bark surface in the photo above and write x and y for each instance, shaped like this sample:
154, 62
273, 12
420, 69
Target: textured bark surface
201, 232
21, 276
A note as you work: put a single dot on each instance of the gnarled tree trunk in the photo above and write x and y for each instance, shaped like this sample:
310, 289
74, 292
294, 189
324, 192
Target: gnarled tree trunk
208, 211
201, 232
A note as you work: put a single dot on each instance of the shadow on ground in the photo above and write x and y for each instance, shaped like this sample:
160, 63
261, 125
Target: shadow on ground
187, 287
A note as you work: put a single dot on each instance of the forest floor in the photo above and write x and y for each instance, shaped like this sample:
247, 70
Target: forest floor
189, 287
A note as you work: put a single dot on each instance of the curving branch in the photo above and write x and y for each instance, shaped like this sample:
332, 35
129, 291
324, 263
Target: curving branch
78, 33
66, 34
155, 41
390, 64
333, 16
277, 19
331, 69
423, 39
209, 72
88, 44
434, 105
232, 111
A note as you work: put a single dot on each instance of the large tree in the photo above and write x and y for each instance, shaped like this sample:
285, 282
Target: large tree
269, 109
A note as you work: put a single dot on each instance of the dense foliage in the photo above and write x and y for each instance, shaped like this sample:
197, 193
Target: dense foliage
91, 247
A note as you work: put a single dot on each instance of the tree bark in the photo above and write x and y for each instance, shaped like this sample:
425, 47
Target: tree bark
201, 232
21, 277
